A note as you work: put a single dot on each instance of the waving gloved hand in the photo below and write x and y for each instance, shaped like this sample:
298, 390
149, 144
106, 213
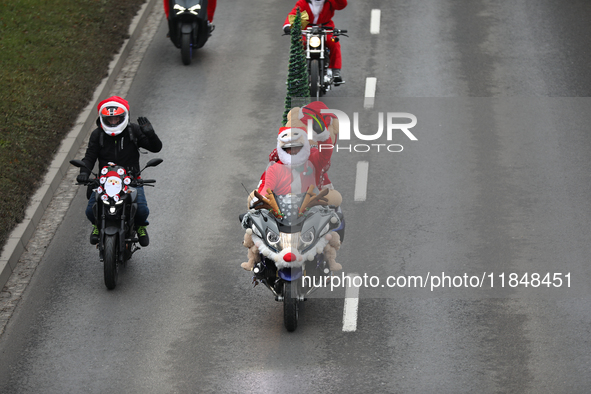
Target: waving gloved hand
145, 126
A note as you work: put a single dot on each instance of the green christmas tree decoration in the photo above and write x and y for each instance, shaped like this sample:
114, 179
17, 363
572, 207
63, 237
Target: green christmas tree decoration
297, 76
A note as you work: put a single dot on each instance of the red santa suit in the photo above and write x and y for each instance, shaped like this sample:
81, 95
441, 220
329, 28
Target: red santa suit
297, 176
319, 16
313, 112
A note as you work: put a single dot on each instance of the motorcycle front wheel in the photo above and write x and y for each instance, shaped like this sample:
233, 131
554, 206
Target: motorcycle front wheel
314, 79
110, 257
290, 306
186, 49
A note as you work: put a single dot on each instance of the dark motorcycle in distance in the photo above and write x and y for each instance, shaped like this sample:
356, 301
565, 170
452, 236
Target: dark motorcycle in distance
317, 57
291, 239
114, 211
187, 26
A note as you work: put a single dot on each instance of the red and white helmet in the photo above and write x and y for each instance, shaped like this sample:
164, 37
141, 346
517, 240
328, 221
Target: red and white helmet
114, 115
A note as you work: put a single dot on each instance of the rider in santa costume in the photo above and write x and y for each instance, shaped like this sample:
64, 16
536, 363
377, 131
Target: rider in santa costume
323, 126
320, 12
300, 165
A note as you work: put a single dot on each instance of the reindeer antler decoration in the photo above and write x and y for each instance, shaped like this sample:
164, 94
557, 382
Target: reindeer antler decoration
312, 199
267, 202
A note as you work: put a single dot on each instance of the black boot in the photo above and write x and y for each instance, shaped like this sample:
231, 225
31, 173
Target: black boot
336, 76
143, 236
94, 235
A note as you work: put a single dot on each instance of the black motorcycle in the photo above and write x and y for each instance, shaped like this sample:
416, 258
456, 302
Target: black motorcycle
291, 239
114, 211
317, 57
187, 26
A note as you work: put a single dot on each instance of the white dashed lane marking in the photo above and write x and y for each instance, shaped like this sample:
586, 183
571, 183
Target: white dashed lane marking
361, 181
374, 25
351, 306
370, 92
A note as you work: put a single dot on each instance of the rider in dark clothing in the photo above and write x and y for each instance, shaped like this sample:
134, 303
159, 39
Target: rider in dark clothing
117, 140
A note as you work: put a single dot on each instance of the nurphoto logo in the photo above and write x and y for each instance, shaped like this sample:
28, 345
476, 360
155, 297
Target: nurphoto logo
394, 125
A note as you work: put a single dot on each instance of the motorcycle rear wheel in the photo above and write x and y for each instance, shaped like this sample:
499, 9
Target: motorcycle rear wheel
290, 307
110, 261
186, 49
314, 79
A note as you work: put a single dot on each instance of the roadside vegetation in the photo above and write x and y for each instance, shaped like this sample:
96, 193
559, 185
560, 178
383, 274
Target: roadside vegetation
53, 54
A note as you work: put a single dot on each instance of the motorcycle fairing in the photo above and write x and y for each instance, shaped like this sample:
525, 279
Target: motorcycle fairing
185, 22
133, 193
188, 5
319, 220
319, 223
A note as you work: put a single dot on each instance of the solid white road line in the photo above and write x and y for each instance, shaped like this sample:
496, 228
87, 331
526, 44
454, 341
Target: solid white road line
374, 25
370, 92
361, 181
351, 306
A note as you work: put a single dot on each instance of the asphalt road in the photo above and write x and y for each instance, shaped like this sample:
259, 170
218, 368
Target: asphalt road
497, 183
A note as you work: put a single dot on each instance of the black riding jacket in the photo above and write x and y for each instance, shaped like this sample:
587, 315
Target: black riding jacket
121, 149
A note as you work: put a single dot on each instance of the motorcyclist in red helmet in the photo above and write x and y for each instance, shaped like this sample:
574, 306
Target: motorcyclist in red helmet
117, 140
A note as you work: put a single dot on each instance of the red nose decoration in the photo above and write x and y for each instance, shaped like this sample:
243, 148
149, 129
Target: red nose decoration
289, 257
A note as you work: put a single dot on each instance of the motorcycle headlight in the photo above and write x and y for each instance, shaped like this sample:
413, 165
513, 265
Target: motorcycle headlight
272, 238
325, 230
307, 238
178, 7
315, 41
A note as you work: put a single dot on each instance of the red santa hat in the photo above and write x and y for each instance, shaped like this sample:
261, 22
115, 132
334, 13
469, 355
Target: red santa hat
112, 174
116, 99
282, 129
313, 112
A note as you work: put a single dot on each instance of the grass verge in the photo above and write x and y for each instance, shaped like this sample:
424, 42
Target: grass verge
53, 56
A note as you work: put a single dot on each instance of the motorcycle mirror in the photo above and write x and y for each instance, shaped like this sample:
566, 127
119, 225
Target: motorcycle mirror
150, 163
153, 163
79, 164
